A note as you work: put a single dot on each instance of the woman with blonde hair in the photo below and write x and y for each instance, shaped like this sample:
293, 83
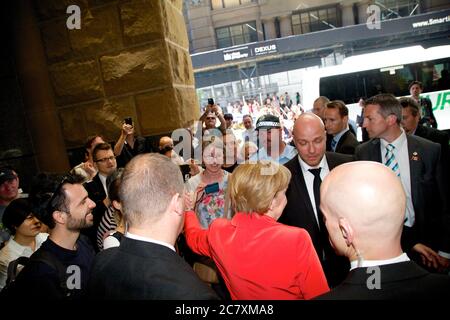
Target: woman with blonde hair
258, 257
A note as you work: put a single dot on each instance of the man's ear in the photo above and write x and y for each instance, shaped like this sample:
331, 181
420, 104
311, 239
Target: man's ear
176, 204
392, 119
59, 217
345, 119
346, 231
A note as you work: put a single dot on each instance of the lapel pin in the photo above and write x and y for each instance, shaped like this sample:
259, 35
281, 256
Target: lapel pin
415, 156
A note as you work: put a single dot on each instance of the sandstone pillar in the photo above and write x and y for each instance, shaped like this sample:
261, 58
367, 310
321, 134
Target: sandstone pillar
40, 111
129, 59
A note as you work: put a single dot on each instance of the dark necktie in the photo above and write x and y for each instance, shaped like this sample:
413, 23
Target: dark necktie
316, 188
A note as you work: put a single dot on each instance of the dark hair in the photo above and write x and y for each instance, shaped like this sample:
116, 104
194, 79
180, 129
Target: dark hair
228, 116
90, 140
58, 201
415, 82
16, 213
340, 105
389, 105
43, 186
101, 146
411, 103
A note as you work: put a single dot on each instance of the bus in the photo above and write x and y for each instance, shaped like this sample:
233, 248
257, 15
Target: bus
390, 71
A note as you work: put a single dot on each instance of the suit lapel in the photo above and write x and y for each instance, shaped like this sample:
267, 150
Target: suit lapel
414, 157
341, 140
375, 151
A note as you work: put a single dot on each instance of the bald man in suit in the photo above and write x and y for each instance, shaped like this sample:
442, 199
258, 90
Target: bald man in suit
308, 169
371, 241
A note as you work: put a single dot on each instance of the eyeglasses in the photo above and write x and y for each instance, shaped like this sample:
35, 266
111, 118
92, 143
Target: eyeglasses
210, 118
112, 158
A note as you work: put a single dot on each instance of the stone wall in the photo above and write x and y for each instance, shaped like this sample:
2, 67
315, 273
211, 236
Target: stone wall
130, 58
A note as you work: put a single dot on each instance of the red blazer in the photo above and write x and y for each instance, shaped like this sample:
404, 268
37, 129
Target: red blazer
259, 258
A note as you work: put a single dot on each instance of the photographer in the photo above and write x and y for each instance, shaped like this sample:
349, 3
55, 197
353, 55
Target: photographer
210, 116
128, 145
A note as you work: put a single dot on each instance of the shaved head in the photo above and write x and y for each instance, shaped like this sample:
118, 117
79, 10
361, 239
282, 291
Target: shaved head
364, 207
310, 138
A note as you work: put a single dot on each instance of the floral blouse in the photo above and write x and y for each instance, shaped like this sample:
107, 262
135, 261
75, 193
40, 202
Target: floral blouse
209, 206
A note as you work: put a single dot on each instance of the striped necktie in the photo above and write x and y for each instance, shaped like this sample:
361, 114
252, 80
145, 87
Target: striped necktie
333, 144
390, 161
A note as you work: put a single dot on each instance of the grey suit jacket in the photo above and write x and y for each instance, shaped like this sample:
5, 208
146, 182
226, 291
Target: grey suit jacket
429, 190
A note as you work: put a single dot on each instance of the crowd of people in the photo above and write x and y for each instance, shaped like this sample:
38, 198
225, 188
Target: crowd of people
261, 213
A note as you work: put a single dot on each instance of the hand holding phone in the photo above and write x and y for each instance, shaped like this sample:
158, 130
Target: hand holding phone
129, 121
212, 188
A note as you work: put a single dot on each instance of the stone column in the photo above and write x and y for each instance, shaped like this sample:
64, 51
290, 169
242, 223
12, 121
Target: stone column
129, 59
39, 105
347, 14
269, 28
285, 26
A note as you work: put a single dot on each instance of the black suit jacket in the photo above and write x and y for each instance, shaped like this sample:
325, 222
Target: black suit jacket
96, 193
429, 191
440, 137
139, 270
346, 144
299, 213
398, 281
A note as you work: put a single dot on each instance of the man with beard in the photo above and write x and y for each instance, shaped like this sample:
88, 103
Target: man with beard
67, 212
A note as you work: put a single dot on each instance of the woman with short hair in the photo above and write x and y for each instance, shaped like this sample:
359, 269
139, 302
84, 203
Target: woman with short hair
258, 257
26, 239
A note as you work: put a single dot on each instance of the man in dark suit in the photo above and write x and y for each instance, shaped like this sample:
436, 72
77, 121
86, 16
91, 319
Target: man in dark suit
411, 125
146, 265
427, 116
371, 241
339, 137
106, 164
417, 163
302, 209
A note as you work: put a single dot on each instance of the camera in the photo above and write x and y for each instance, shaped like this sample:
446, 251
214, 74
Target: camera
129, 121
211, 101
212, 188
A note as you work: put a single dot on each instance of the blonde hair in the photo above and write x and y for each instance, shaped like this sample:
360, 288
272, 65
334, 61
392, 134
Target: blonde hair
252, 187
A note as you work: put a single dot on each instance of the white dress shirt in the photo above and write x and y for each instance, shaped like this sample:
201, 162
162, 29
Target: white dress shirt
372, 263
402, 156
146, 239
309, 179
103, 181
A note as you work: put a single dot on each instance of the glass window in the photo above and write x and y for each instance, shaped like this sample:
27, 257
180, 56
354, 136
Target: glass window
315, 19
391, 9
350, 87
236, 34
